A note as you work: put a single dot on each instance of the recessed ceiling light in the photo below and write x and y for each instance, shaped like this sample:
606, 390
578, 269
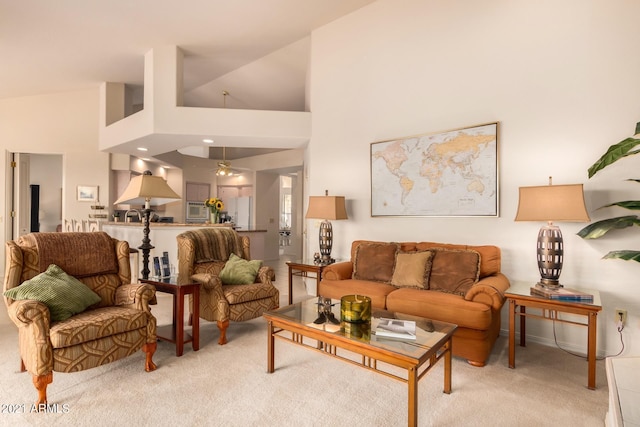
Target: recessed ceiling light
142, 149
146, 159
208, 140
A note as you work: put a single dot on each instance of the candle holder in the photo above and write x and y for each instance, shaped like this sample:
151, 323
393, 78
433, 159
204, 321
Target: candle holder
355, 309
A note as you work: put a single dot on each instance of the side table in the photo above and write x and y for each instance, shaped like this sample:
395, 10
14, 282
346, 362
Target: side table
175, 332
302, 269
519, 298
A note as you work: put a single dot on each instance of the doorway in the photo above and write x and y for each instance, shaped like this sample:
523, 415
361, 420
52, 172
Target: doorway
28, 172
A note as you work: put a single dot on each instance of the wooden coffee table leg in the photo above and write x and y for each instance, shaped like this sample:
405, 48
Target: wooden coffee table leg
412, 383
270, 348
447, 365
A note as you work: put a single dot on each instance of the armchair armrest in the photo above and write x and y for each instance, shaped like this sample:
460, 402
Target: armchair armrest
489, 290
30, 313
338, 271
208, 281
266, 275
135, 295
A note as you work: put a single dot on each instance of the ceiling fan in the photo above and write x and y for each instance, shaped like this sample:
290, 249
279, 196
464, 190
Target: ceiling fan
224, 167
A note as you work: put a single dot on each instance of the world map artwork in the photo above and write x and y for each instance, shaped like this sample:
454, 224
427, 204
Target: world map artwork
451, 173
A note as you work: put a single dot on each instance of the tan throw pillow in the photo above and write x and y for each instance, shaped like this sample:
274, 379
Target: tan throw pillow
375, 261
412, 269
454, 271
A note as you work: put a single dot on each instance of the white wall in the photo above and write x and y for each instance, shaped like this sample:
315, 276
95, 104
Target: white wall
66, 124
560, 77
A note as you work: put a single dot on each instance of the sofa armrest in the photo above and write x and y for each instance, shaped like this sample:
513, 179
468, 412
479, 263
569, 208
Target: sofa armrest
135, 295
490, 291
338, 271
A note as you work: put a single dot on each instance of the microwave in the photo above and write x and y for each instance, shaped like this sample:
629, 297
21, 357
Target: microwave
197, 212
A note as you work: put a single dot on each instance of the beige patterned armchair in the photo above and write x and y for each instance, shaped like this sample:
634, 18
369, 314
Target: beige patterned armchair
202, 254
117, 326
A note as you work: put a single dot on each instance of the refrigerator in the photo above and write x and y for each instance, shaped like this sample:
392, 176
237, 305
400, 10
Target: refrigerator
239, 209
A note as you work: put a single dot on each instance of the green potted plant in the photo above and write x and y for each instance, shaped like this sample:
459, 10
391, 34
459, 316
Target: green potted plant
624, 148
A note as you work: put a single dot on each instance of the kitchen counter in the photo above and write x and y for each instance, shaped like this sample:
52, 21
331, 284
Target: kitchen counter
163, 238
180, 225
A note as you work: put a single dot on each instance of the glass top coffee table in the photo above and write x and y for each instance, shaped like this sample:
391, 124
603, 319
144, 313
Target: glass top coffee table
296, 324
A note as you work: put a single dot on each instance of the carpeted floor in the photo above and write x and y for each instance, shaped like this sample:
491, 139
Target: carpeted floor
228, 386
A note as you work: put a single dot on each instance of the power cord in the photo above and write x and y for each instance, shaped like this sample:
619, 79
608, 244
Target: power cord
619, 327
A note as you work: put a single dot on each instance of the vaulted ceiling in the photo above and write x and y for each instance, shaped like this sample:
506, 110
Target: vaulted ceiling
256, 50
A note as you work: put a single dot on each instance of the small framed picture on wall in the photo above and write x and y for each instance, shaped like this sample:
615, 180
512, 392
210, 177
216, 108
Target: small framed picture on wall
87, 193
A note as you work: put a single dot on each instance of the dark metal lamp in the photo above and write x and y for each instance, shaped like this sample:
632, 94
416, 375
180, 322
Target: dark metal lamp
551, 203
147, 189
326, 208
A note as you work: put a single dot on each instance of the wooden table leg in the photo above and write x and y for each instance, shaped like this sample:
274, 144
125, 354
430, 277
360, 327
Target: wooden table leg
447, 365
412, 383
195, 319
270, 347
290, 285
591, 350
523, 326
512, 333
178, 320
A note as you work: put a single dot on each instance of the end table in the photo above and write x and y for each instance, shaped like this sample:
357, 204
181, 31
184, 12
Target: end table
519, 298
302, 269
175, 332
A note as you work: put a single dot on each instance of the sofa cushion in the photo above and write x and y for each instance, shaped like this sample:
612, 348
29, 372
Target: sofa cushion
336, 289
490, 258
412, 269
374, 261
239, 271
441, 306
64, 295
454, 270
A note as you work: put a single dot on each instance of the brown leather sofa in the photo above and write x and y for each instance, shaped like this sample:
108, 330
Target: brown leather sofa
458, 284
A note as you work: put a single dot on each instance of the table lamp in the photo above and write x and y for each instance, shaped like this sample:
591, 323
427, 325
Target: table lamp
326, 208
551, 203
147, 189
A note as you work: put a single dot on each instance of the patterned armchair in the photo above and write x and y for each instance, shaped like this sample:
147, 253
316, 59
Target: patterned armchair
202, 254
117, 326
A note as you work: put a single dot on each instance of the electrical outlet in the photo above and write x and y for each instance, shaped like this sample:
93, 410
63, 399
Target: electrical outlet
621, 316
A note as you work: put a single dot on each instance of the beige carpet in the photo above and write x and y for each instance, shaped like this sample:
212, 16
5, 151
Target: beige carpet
228, 386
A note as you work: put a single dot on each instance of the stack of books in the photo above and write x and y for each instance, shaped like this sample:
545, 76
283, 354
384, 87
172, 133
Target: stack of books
561, 294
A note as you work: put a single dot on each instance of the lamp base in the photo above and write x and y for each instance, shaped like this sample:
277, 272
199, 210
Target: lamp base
548, 284
326, 243
550, 253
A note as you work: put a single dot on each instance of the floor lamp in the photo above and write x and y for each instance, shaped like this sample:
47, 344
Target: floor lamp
147, 189
326, 208
548, 203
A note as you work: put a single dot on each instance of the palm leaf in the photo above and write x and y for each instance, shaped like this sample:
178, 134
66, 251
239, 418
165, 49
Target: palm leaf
600, 228
625, 255
614, 153
633, 205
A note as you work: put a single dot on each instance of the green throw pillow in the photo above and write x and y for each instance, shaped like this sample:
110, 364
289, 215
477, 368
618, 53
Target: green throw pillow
63, 294
239, 271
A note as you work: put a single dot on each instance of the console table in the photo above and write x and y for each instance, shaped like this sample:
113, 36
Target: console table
519, 298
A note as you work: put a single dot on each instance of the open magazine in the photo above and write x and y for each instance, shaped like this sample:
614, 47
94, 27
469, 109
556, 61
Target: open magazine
396, 328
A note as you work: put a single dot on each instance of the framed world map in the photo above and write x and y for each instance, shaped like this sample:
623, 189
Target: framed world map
452, 173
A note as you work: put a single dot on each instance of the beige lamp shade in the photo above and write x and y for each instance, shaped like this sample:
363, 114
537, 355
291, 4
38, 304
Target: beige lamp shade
563, 203
147, 188
326, 207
